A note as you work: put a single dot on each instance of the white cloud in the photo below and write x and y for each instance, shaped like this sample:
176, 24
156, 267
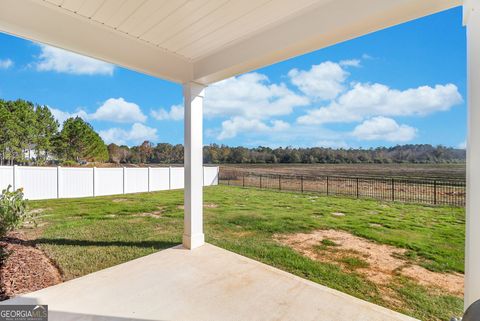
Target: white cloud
251, 96
249, 105
231, 127
59, 60
350, 63
137, 134
332, 143
366, 57
119, 110
176, 113
6, 63
323, 81
294, 135
62, 116
462, 145
249, 101
383, 128
366, 100
113, 109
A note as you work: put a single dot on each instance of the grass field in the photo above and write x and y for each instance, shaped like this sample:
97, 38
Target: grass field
428, 171
86, 235
432, 184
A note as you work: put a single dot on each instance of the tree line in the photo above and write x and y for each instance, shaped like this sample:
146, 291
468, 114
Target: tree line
30, 134
222, 154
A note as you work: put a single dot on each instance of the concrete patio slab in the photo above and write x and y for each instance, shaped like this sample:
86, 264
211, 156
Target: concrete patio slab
208, 283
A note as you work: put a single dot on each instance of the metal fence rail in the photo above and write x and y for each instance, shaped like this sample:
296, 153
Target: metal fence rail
434, 192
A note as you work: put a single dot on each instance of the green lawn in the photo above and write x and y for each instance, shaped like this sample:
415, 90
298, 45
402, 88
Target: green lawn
86, 235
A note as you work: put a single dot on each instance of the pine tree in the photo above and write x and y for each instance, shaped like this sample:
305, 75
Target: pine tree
24, 118
78, 141
46, 127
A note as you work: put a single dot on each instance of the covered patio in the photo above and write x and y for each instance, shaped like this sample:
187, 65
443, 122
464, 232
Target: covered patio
196, 43
206, 284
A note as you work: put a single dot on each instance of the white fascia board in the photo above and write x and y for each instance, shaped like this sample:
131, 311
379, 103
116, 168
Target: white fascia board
468, 7
42, 22
325, 25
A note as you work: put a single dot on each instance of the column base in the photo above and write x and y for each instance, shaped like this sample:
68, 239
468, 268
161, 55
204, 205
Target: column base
193, 241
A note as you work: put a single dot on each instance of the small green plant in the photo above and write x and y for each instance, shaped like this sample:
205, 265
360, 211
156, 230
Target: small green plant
328, 242
324, 245
13, 210
354, 262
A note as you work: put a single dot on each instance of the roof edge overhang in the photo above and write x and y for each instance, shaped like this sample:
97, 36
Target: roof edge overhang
326, 25
33, 20
322, 26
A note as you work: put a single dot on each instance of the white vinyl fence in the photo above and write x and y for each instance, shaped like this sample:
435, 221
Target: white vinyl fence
64, 182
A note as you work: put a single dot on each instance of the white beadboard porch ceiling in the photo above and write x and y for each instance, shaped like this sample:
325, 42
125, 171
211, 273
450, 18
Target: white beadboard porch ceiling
189, 28
203, 40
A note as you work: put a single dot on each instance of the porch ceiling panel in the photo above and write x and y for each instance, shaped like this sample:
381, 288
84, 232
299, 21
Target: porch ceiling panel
321, 26
174, 25
203, 40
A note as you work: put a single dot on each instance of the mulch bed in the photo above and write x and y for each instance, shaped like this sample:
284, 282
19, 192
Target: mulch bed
26, 268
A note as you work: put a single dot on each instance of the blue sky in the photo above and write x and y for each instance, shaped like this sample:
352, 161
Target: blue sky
405, 84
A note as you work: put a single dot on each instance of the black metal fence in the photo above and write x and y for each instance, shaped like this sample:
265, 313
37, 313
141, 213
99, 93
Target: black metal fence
435, 192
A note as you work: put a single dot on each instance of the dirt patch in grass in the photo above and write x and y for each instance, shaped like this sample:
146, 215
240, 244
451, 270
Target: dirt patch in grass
382, 262
375, 225
120, 200
37, 211
155, 214
26, 268
210, 205
452, 282
205, 205
243, 233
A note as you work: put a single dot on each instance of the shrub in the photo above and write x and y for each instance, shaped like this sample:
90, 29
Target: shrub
69, 163
13, 210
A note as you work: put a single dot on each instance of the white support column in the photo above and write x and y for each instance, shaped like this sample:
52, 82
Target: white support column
472, 242
193, 94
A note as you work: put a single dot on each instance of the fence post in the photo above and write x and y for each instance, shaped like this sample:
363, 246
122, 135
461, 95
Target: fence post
243, 180
279, 182
59, 187
169, 177
260, 181
148, 180
94, 181
123, 180
301, 180
435, 192
15, 177
327, 185
393, 190
357, 188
